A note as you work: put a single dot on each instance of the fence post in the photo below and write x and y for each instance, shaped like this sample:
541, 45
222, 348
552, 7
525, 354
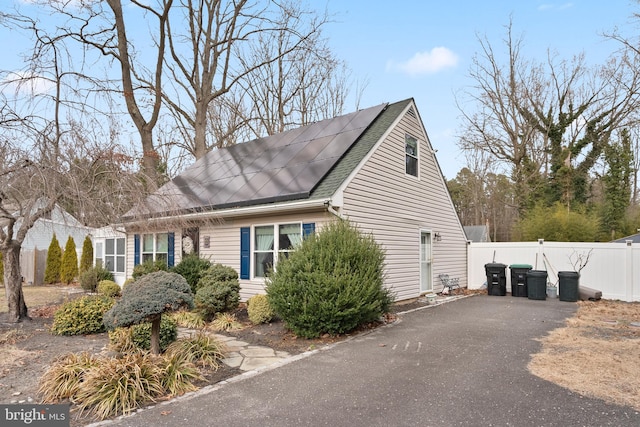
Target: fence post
540, 254
629, 270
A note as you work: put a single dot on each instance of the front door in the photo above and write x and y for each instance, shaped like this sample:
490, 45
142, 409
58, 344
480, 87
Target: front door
426, 283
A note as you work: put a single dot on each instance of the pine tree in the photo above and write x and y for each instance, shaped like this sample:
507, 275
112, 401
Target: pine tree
69, 267
54, 259
86, 259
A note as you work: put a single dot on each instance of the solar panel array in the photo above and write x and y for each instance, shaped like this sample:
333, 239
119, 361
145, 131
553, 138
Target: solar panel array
286, 166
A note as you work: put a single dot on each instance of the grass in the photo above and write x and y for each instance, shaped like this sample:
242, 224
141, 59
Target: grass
38, 296
596, 354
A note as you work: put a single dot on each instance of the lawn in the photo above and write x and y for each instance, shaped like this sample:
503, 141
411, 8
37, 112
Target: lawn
37, 296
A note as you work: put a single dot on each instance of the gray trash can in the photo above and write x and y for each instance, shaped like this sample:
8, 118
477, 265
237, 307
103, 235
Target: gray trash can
568, 283
537, 284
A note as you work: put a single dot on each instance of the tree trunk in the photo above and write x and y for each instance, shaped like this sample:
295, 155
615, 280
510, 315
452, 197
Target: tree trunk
155, 334
13, 284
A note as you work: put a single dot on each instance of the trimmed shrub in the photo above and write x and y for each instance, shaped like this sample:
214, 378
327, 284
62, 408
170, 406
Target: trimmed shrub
69, 263
86, 259
108, 288
331, 284
218, 291
148, 267
53, 263
147, 299
81, 316
259, 309
192, 268
90, 278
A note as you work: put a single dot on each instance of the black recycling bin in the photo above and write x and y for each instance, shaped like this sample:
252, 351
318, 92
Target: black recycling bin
568, 282
537, 284
519, 279
496, 279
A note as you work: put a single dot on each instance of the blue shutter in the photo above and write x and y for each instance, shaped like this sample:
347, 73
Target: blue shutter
171, 258
245, 252
136, 249
308, 229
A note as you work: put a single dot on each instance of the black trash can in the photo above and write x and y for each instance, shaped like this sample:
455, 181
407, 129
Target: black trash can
496, 279
537, 284
568, 283
519, 279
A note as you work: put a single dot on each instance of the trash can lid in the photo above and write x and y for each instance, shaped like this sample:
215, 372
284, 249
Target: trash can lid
520, 266
496, 265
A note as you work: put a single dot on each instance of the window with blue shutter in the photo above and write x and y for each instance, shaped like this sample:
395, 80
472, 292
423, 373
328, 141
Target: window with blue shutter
245, 252
136, 249
171, 250
308, 229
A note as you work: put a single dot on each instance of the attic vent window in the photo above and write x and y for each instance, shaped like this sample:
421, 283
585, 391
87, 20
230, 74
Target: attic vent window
411, 155
411, 112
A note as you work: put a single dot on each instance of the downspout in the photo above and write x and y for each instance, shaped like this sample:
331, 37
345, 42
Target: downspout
331, 209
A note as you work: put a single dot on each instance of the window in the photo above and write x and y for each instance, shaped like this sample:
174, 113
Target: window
155, 247
264, 250
411, 155
267, 249
114, 259
99, 254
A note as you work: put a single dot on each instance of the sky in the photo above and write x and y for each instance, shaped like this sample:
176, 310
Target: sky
423, 49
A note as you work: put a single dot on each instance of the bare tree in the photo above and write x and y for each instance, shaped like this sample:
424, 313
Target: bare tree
45, 159
548, 122
237, 45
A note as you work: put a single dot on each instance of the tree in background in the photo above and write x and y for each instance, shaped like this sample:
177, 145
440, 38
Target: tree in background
69, 264
557, 223
54, 262
548, 122
86, 259
617, 186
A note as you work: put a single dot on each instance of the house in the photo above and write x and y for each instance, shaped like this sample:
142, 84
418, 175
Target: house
635, 238
33, 255
247, 205
109, 251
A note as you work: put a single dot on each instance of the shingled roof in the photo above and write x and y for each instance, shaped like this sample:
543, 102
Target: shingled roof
310, 162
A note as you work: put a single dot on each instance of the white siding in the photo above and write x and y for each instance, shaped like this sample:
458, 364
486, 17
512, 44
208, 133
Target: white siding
395, 207
225, 242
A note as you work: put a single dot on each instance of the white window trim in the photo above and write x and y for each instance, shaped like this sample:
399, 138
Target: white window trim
115, 254
276, 242
417, 156
154, 252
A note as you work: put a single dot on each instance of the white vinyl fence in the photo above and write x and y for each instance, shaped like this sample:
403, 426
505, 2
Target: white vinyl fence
610, 268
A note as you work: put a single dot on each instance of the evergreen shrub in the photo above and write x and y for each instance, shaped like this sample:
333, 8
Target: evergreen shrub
259, 309
53, 263
192, 268
86, 258
148, 267
81, 316
108, 288
218, 291
332, 283
69, 263
90, 278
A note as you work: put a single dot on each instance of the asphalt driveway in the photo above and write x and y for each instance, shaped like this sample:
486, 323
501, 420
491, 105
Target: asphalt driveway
458, 364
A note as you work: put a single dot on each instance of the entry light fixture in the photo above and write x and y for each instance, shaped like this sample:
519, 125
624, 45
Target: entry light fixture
437, 237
